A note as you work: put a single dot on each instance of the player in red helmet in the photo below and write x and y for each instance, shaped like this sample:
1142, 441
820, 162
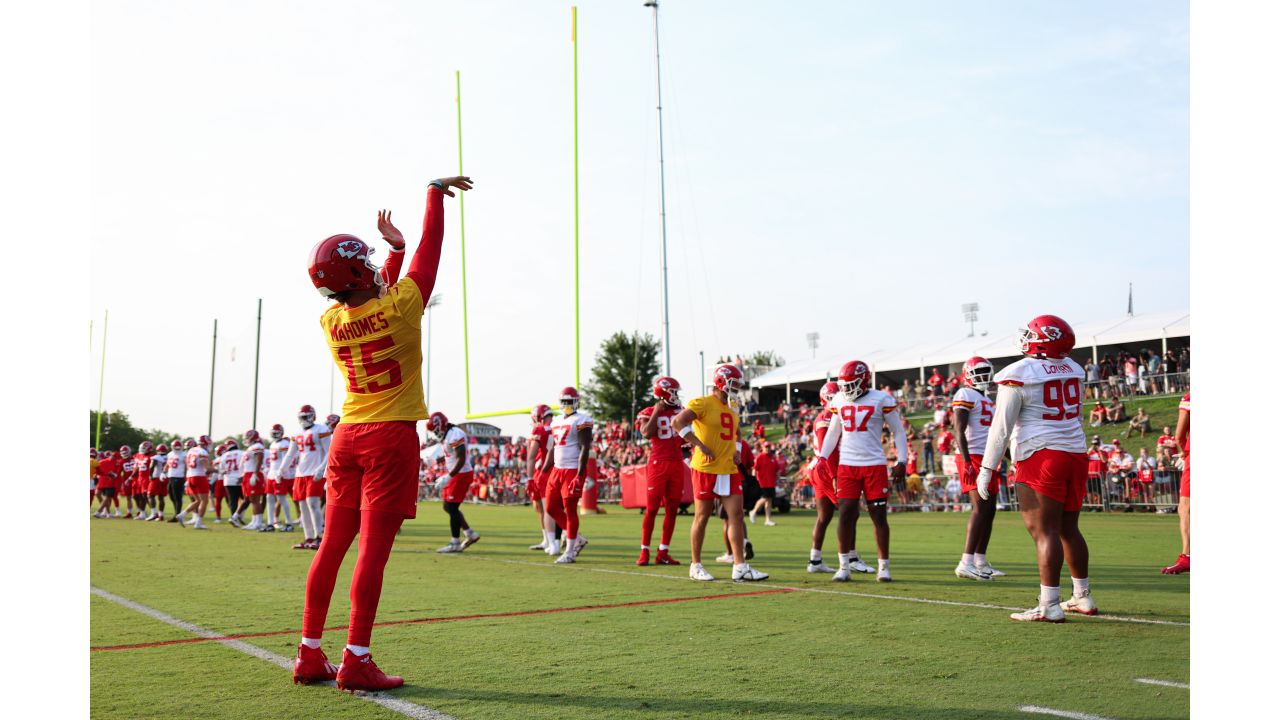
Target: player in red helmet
332, 420
375, 335
308, 458
142, 462
253, 482
566, 465
93, 474
1182, 435
280, 479
455, 483
109, 470
1037, 409
664, 471
972, 411
859, 413
536, 479
198, 467
710, 425
822, 474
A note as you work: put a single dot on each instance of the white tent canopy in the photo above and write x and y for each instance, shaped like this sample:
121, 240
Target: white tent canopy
1149, 327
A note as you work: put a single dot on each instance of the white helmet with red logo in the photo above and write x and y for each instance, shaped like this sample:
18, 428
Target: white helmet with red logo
977, 373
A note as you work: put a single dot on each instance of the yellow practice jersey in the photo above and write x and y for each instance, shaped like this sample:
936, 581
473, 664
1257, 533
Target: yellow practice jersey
378, 346
93, 467
716, 425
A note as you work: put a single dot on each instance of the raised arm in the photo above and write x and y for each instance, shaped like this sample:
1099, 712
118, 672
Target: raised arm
426, 259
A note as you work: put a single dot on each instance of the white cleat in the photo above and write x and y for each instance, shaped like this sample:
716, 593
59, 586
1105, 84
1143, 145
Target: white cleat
579, 543
986, 569
725, 558
752, 515
842, 575
1041, 613
450, 548
1082, 604
769, 523
856, 565
566, 558
200, 526
819, 568
883, 576
540, 546
554, 548
471, 539
697, 572
970, 572
746, 573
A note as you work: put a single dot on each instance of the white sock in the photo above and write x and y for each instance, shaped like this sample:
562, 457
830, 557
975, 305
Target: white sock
317, 515
884, 563
271, 508
815, 556
1050, 595
471, 532
979, 559
308, 526
288, 511
1079, 586
966, 559
358, 649
663, 548
845, 560
313, 643
455, 541
644, 547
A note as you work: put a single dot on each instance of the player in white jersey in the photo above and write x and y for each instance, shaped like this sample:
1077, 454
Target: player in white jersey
232, 472
254, 482
197, 483
453, 486
859, 413
971, 417
279, 481
1038, 411
175, 468
307, 461
567, 465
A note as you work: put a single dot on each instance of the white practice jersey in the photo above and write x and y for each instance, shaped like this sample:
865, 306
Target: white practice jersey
253, 457
454, 439
195, 467
564, 439
313, 451
1037, 407
231, 469
981, 410
277, 466
175, 463
856, 426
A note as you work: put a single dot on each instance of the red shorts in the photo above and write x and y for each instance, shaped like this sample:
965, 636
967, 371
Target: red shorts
1184, 490
219, 491
704, 485
374, 466
1056, 474
565, 483
159, 487
969, 475
197, 485
456, 490
537, 485
284, 487
126, 489
824, 482
250, 489
852, 482
664, 480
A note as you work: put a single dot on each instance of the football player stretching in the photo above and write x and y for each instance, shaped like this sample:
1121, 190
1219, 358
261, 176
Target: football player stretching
566, 468
859, 413
536, 479
375, 335
456, 483
972, 412
1182, 435
710, 425
1038, 410
664, 472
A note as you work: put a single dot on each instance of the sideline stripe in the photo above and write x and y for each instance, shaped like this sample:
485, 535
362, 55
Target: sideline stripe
1037, 710
214, 637
873, 596
1162, 683
404, 707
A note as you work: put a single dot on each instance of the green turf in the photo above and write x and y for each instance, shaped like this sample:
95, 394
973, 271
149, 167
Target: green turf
854, 652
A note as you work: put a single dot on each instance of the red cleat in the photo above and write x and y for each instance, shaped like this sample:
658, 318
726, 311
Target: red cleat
664, 558
358, 672
312, 666
644, 557
1183, 565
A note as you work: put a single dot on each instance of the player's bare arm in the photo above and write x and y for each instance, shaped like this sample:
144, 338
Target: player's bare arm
390, 232
1183, 429
650, 427
683, 421
959, 422
584, 441
531, 456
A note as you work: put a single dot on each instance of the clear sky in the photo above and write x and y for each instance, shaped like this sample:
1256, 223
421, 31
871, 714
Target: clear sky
857, 169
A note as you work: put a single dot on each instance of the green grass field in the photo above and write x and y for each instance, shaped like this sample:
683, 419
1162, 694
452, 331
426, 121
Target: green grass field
811, 648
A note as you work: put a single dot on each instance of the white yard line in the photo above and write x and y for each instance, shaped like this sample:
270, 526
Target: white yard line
404, 707
1037, 710
1162, 683
874, 596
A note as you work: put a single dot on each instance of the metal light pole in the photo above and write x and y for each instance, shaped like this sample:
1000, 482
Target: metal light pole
257, 355
970, 311
433, 301
812, 339
213, 368
662, 194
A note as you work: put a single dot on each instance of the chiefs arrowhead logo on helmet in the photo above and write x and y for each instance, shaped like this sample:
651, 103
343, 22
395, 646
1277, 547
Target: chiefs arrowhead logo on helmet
437, 424
855, 379
667, 389
1047, 336
349, 248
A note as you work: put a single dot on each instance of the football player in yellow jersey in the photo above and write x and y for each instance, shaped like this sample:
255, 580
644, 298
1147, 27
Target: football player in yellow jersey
710, 425
93, 472
375, 334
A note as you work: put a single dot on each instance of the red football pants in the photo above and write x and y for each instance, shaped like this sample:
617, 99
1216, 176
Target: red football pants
377, 530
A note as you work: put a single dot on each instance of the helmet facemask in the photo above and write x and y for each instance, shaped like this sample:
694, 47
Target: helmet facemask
979, 377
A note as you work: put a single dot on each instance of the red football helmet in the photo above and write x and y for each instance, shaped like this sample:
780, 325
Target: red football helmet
220, 449
333, 420
93, 454
162, 449
855, 379
437, 424
728, 378
252, 436
190, 443
667, 389
277, 431
827, 392
340, 263
205, 441
1047, 336
146, 447
126, 452
231, 444
540, 413
569, 400
307, 416
977, 373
